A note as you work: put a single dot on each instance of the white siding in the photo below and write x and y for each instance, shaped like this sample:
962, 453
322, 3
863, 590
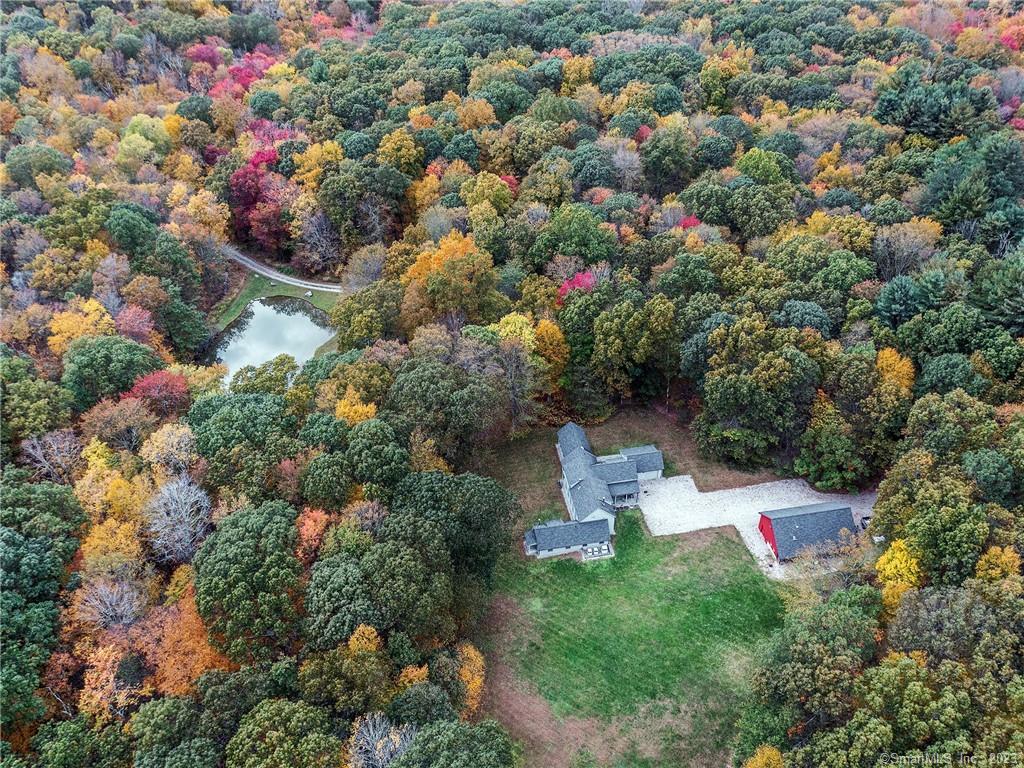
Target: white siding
649, 475
542, 553
567, 497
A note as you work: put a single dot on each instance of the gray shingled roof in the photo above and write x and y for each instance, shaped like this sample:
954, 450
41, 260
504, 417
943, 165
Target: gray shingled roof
588, 495
570, 437
624, 488
576, 464
557, 534
646, 457
808, 526
593, 482
615, 471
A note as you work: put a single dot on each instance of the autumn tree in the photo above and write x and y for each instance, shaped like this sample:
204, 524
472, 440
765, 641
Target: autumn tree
166, 393
454, 279
174, 641
898, 570
82, 318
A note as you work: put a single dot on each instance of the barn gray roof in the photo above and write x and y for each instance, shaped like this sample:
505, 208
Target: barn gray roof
811, 525
557, 534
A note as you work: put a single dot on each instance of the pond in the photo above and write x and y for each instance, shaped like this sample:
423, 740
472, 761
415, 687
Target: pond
269, 327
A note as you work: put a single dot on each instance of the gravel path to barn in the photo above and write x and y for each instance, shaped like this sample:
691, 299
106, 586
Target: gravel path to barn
674, 505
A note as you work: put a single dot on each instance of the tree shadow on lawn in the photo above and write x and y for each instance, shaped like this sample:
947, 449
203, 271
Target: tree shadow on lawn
642, 657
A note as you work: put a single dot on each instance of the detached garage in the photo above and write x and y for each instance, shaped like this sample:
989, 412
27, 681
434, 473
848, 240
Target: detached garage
790, 530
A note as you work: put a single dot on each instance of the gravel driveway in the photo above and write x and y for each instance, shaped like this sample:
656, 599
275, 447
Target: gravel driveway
674, 505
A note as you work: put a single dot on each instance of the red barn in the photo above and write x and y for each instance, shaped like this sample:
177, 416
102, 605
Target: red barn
792, 529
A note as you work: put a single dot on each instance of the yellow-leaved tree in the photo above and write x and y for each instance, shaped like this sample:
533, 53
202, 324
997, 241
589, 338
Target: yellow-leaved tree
898, 570
364, 639
455, 277
471, 673
309, 165
83, 317
765, 757
1000, 564
399, 149
550, 344
352, 410
895, 368
423, 455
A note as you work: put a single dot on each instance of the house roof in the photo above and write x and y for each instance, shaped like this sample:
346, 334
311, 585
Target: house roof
593, 481
570, 437
589, 495
646, 457
808, 526
621, 471
624, 488
557, 534
576, 464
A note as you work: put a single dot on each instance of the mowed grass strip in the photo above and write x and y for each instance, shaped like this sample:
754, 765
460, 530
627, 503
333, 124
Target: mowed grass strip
659, 622
261, 287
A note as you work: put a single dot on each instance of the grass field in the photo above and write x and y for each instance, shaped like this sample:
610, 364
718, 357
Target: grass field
643, 659
259, 287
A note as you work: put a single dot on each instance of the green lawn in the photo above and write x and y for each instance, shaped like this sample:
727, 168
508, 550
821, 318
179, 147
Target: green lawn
669, 625
259, 287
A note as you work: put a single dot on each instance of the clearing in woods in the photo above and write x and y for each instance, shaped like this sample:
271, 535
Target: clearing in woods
643, 659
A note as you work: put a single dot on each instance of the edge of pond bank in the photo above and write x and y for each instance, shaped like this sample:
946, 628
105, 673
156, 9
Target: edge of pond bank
256, 287
267, 326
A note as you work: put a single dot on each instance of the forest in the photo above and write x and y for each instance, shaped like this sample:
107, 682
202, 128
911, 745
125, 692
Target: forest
797, 225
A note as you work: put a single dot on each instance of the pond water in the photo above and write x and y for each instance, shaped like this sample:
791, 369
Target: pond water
270, 327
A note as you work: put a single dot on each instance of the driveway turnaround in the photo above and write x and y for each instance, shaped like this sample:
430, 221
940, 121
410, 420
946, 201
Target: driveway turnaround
674, 505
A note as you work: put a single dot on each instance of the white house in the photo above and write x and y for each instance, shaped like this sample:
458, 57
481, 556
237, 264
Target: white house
594, 489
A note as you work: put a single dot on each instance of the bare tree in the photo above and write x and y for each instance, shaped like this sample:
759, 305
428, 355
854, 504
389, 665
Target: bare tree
106, 601
477, 358
628, 167
360, 22
370, 514
365, 266
178, 519
518, 380
112, 273
376, 742
562, 267
898, 248
668, 216
55, 456
27, 247
375, 218
320, 249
